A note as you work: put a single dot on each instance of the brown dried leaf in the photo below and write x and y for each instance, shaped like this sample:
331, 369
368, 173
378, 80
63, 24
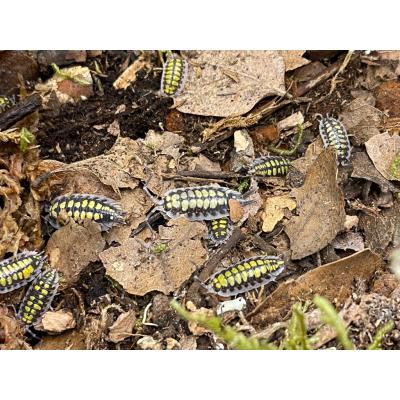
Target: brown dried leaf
122, 327
349, 241
321, 208
11, 332
54, 322
302, 164
66, 90
364, 169
69, 340
379, 228
71, 248
235, 210
388, 97
293, 58
273, 211
210, 90
382, 149
136, 204
361, 120
140, 271
333, 281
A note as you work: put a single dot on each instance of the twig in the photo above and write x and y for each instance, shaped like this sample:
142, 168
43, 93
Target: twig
341, 69
326, 74
19, 111
204, 175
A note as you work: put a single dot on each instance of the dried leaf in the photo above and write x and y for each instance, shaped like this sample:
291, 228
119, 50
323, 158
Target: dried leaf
122, 327
313, 151
78, 85
364, 169
333, 281
235, 210
349, 241
379, 228
71, 248
321, 208
54, 322
209, 90
382, 149
136, 204
293, 58
140, 271
361, 120
273, 211
291, 121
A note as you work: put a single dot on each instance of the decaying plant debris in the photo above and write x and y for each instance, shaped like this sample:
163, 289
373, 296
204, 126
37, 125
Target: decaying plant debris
97, 123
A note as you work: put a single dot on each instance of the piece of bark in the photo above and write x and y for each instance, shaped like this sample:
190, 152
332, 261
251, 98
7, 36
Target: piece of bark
19, 111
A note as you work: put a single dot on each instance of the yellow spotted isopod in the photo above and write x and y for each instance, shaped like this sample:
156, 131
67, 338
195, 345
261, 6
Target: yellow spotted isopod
38, 297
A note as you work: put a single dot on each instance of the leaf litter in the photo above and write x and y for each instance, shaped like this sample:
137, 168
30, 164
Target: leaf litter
111, 279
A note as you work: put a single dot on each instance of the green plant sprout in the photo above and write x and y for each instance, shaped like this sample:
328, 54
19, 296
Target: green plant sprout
244, 185
229, 335
26, 138
380, 333
296, 337
64, 75
332, 318
159, 248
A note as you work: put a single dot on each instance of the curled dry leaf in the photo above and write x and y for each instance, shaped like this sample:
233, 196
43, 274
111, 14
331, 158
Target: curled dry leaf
122, 327
71, 248
382, 149
274, 211
11, 332
320, 205
139, 271
55, 322
148, 343
361, 120
20, 224
211, 90
333, 281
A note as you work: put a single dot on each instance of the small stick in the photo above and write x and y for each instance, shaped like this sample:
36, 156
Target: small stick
204, 175
326, 74
341, 69
19, 111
